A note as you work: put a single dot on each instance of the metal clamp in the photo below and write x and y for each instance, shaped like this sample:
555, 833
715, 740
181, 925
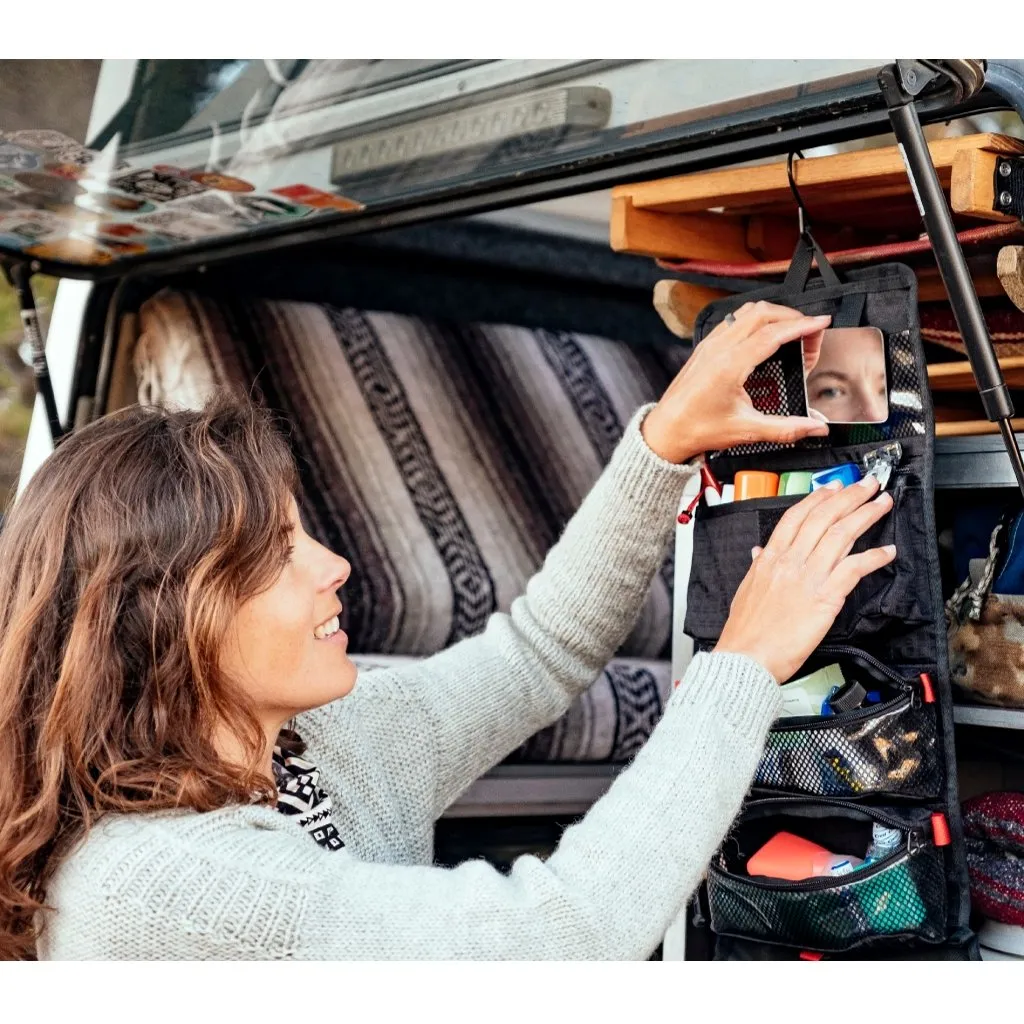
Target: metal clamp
1008, 186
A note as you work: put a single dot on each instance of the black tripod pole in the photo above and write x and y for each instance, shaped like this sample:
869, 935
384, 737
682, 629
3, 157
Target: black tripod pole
899, 90
21, 280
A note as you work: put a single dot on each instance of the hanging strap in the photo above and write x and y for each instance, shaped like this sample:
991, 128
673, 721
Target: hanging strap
851, 306
808, 251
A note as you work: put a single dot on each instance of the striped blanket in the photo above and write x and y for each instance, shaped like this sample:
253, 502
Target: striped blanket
442, 459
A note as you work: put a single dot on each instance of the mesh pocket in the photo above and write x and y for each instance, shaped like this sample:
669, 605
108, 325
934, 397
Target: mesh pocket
891, 750
903, 897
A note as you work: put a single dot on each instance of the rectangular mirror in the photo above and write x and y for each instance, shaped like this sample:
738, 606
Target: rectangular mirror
844, 376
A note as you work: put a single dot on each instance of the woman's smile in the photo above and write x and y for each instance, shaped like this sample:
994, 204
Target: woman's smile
329, 628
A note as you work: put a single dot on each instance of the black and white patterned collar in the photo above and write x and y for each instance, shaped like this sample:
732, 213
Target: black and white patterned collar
299, 793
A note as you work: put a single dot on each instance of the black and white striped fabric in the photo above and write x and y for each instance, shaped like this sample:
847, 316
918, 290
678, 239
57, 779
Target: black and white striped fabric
299, 793
443, 460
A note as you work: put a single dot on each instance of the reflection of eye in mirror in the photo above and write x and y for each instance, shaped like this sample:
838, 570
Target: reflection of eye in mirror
845, 377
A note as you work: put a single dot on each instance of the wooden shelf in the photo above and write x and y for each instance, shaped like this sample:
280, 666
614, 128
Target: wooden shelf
748, 214
958, 377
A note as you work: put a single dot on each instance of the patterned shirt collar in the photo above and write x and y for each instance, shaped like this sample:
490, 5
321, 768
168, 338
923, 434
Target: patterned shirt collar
299, 793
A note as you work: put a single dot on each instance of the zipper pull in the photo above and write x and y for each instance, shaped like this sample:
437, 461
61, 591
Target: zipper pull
927, 688
940, 830
707, 480
881, 462
697, 917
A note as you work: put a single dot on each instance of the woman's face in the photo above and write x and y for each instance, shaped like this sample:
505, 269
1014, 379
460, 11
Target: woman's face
281, 647
847, 384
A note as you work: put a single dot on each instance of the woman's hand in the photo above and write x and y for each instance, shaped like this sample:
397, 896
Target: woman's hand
706, 406
798, 583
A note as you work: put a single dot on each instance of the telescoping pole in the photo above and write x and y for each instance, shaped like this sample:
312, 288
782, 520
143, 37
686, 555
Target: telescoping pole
938, 221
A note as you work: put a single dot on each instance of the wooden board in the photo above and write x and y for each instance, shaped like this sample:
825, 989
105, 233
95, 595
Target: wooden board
971, 428
867, 192
697, 234
972, 185
958, 377
870, 173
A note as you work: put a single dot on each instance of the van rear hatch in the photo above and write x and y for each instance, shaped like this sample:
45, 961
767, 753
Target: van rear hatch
192, 161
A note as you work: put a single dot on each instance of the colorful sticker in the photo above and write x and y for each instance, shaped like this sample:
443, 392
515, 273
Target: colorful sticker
270, 207
71, 250
61, 148
72, 172
173, 170
11, 242
118, 248
112, 202
119, 229
208, 179
221, 182
30, 227
317, 198
14, 158
156, 185
221, 205
182, 226
123, 238
30, 230
58, 189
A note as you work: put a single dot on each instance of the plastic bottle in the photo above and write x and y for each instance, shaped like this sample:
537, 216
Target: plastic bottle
883, 842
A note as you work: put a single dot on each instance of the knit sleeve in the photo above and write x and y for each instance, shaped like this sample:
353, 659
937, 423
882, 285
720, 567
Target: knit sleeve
609, 890
465, 709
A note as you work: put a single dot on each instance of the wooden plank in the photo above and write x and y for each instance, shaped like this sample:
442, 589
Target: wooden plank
972, 187
931, 289
957, 376
967, 428
678, 304
863, 171
706, 236
1010, 268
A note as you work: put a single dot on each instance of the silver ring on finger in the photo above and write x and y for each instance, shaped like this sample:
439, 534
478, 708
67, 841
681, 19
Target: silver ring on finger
729, 318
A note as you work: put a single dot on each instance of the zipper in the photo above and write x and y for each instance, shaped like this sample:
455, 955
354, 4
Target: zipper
913, 845
837, 882
908, 696
871, 813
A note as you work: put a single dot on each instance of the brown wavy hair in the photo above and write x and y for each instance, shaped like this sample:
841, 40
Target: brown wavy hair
121, 566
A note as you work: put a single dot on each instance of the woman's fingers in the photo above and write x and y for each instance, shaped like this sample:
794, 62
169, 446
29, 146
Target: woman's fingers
852, 569
838, 540
761, 313
789, 525
768, 339
838, 505
785, 429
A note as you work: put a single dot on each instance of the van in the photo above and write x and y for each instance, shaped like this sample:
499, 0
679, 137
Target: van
410, 262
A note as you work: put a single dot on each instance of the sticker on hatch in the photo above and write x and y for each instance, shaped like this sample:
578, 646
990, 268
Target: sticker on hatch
317, 198
156, 185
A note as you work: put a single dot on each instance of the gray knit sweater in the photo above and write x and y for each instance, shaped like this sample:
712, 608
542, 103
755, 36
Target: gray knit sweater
247, 882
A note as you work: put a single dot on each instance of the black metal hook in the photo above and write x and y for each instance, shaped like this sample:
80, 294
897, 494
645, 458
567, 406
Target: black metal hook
803, 217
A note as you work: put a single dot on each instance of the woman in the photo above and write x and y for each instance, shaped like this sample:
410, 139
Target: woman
163, 615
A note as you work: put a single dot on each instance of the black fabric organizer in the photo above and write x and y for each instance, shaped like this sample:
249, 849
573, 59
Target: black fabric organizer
827, 779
